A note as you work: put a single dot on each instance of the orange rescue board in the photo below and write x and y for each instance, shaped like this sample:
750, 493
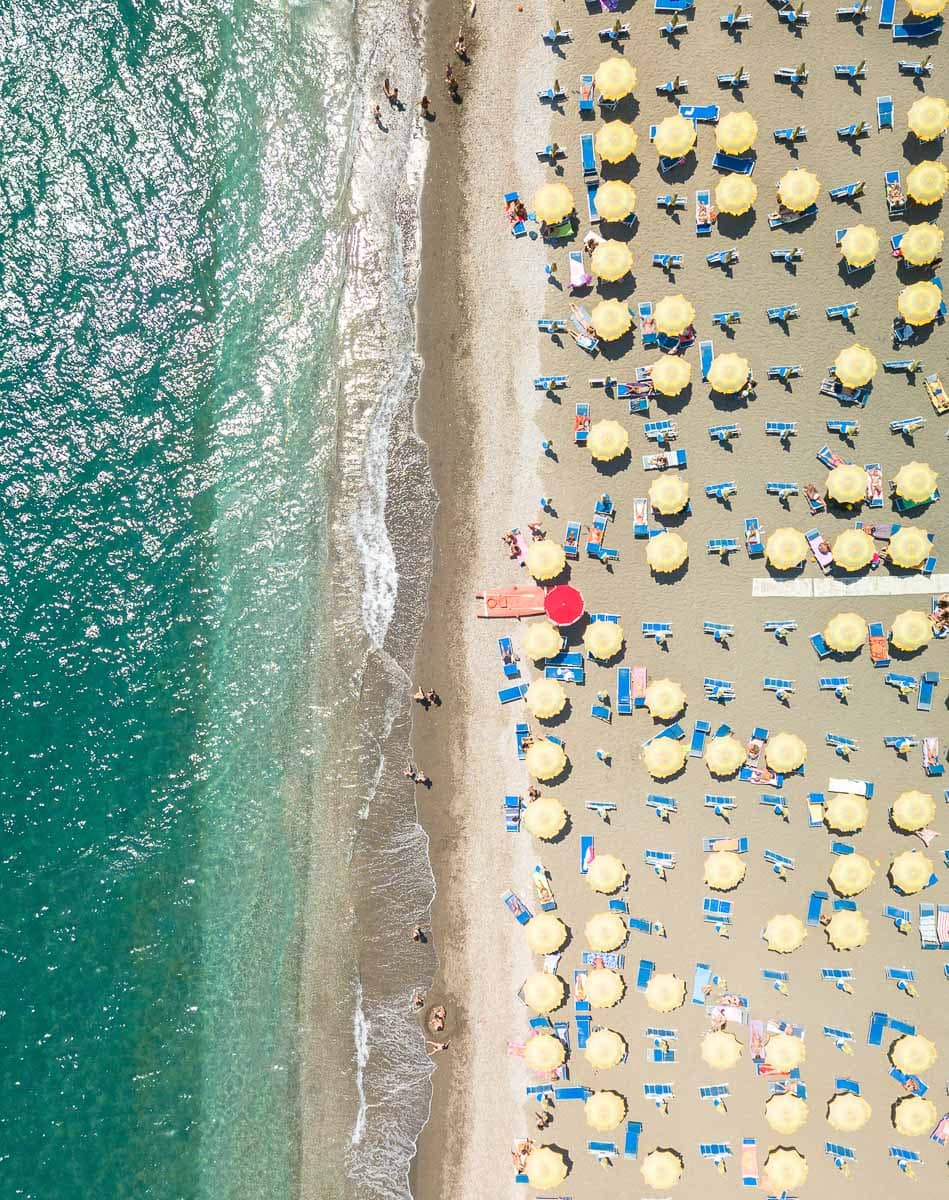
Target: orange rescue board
511, 602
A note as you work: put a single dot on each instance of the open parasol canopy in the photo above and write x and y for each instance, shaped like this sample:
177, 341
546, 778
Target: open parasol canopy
910, 872
604, 987
553, 201
671, 375
911, 630
859, 245
606, 873
848, 929
611, 319
673, 315
665, 992
853, 550
615, 78
798, 189
912, 1053
666, 552
615, 141
728, 373
604, 1111
909, 546
544, 1052
785, 753
851, 874
541, 640
855, 366
928, 117
664, 757
545, 817
735, 194
913, 811
926, 8
724, 870
607, 440
916, 482
665, 699
914, 1116
784, 933
846, 812
545, 759
661, 1169
847, 484
922, 244
724, 755
785, 1169
847, 1113
545, 933
546, 698
786, 548
604, 1049
564, 605
783, 1052
611, 260
720, 1050
785, 1113
919, 303
927, 181
605, 931
736, 132
675, 136
544, 992
615, 200
546, 559
603, 639
845, 632
545, 1168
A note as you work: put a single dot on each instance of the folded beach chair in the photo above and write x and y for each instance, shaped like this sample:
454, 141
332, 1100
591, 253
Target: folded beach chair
793, 16
667, 262
902, 743
734, 20
549, 383
917, 31
733, 79
783, 489
721, 491
843, 746
785, 371
856, 129
662, 432
724, 320
780, 628
720, 805
844, 427
849, 191
586, 95
663, 806
905, 683
916, 69
784, 430
856, 12
720, 632
850, 70
927, 686
548, 325
782, 688
793, 75
616, 33
659, 631
840, 685
671, 201
722, 546
895, 196
723, 258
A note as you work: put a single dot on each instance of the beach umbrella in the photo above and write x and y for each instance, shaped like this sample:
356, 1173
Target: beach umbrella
785, 1169
724, 755
665, 699
847, 484
606, 873
911, 630
735, 194
615, 141
914, 1116
604, 1111
661, 1169
607, 440
720, 1050
605, 931
545, 759
798, 189
604, 987
910, 872
784, 933
544, 1053
603, 639
785, 1112
785, 753
912, 1053
673, 315
928, 118
545, 933
611, 260
552, 202
728, 373
915, 481
610, 319
675, 136
786, 548
545, 698
564, 605
541, 640
784, 1052
615, 200
853, 550
724, 870
545, 817
846, 812
664, 757
546, 559
848, 929
847, 1112
926, 8
859, 245
604, 1049
736, 132
909, 546
927, 182
850, 874
543, 992
845, 632
545, 1168
922, 244
913, 811
665, 992
615, 78
666, 552
670, 375
855, 366
919, 302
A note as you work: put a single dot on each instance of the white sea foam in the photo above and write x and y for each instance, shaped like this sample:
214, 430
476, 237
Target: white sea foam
361, 1033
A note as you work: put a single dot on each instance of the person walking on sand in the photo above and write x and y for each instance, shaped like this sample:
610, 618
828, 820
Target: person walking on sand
377, 115
391, 93
437, 1047
460, 48
425, 108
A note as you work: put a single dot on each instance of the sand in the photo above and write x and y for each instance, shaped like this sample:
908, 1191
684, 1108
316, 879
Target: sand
482, 294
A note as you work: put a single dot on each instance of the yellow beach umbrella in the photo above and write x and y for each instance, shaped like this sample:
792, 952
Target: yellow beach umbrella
546, 559
928, 117
664, 757
664, 699
605, 931
724, 755
919, 302
610, 319
846, 812
604, 1111
853, 550
552, 202
611, 260
545, 759
541, 640
603, 639
545, 698
914, 1116
911, 630
673, 315
910, 872
606, 873
855, 366
720, 1050
670, 375
848, 929
847, 1112
735, 194
543, 992
784, 933
728, 373
736, 132
724, 870
604, 1049
661, 1169
913, 810
847, 484
922, 244
604, 987
545, 1168
785, 1169
798, 189
675, 136
615, 200
615, 78
859, 245
784, 1052
909, 546
785, 752
545, 933
846, 632
607, 440
786, 548
785, 1113
545, 817
927, 182
926, 8
913, 1053
544, 1052
666, 552
665, 992
615, 141
850, 874
915, 481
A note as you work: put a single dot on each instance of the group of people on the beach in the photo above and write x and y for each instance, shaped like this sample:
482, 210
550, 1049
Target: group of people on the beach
424, 104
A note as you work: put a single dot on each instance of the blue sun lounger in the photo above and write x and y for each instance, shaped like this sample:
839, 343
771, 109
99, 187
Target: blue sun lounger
884, 112
508, 661
551, 96
725, 319
841, 312
783, 489
644, 974
601, 1148
624, 701
580, 432
791, 75
720, 632
721, 546
737, 164
785, 371
699, 734
567, 667
631, 1142
659, 631
512, 814
787, 256
703, 227
927, 685
587, 156
724, 433
782, 688
671, 202
719, 689
917, 31
722, 490
510, 694
838, 684
856, 129
780, 629
521, 733
843, 746
706, 354
667, 262
791, 134
784, 430
848, 191
516, 907
518, 228
720, 805
707, 113
732, 80
586, 103
783, 313
850, 70
916, 69
821, 649
753, 544
663, 806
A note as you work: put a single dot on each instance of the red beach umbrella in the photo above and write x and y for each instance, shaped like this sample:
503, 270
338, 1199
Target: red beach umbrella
564, 604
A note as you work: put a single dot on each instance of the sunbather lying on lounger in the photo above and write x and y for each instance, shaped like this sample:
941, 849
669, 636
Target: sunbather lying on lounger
516, 211
591, 241
895, 193
811, 493
705, 214
940, 614
582, 320
581, 423
658, 462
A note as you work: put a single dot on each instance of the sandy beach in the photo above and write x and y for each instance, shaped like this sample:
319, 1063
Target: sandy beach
482, 294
